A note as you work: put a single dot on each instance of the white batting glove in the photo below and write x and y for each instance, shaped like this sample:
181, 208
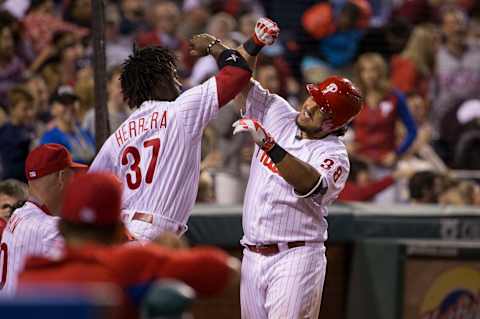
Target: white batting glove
258, 132
266, 31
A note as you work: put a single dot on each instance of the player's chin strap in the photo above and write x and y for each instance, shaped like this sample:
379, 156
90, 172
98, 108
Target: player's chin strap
320, 188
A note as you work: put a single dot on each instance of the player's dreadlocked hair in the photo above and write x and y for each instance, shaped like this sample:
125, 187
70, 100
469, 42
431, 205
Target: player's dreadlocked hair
145, 72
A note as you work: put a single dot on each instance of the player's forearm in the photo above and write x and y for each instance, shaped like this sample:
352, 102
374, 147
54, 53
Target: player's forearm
302, 176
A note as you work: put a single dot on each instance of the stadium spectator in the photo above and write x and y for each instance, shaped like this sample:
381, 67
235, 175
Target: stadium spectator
61, 67
41, 23
38, 89
458, 193
17, 134
66, 130
12, 195
457, 72
375, 125
133, 16
79, 12
117, 108
421, 155
117, 46
84, 89
425, 187
90, 223
386, 40
246, 26
412, 69
12, 66
338, 34
268, 76
164, 17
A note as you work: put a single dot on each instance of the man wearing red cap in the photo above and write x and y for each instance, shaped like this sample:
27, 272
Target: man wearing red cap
32, 228
91, 226
299, 167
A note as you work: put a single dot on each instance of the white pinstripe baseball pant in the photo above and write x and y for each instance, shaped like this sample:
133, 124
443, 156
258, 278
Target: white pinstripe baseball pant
287, 285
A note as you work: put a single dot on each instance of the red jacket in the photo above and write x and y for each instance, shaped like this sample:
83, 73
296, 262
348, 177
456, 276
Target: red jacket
204, 269
130, 265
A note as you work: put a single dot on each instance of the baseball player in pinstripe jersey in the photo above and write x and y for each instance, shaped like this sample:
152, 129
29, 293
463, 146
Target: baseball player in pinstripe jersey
32, 228
156, 151
298, 168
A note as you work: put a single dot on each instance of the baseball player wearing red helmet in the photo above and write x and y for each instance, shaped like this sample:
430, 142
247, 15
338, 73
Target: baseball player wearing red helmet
299, 167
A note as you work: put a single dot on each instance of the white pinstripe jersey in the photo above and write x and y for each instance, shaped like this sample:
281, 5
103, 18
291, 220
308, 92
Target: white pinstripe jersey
156, 152
29, 232
272, 213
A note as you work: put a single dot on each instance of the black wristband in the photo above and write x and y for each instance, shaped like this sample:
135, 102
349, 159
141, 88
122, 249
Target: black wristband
232, 58
277, 153
251, 47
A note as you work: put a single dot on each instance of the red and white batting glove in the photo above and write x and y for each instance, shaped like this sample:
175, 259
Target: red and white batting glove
258, 132
266, 32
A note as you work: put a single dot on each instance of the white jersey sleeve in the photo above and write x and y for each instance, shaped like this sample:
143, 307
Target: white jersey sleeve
197, 106
334, 169
261, 102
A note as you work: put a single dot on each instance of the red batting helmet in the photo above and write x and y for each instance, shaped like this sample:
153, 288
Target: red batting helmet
338, 97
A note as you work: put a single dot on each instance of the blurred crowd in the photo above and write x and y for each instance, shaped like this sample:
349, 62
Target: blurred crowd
417, 63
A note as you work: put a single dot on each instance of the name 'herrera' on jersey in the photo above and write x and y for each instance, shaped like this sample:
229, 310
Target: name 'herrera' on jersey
131, 129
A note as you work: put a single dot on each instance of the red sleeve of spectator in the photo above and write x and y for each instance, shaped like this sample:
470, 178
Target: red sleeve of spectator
353, 192
230, 81
204, 269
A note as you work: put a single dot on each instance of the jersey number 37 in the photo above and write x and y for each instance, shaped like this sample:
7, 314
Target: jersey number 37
134, 178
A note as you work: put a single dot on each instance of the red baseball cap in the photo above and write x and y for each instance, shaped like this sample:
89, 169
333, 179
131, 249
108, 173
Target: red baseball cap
47, 159
93, 199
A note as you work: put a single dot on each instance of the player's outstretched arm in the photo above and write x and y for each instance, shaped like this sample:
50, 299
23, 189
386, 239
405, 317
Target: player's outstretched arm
304, 178
235, 65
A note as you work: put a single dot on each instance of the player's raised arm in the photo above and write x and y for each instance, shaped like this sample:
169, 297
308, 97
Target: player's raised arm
235, 65
198, 105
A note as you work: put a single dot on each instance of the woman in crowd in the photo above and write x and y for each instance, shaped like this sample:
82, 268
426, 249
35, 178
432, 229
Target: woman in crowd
375, 126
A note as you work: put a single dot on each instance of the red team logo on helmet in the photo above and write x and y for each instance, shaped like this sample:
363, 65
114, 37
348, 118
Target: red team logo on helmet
337, 97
